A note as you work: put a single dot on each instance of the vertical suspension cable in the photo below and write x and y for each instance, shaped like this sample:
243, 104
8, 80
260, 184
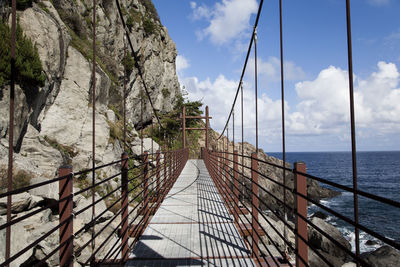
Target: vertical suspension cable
241, 104
141, 122
227, 139
353, 130
283, 123
93, 124
233, 129
11, 129
223, 145
255, 84
124, 94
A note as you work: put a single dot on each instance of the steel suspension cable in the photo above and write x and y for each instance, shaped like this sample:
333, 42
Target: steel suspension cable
124, 98
353, 130
233, 130
283, 120
241, 101
135, 56
255, 84
11, 128
244, 67
94, 122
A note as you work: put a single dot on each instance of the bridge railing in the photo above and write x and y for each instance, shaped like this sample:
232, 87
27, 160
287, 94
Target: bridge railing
143, 187
231, 176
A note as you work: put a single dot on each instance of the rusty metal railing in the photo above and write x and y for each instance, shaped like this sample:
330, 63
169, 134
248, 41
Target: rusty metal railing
152, 180
224, 170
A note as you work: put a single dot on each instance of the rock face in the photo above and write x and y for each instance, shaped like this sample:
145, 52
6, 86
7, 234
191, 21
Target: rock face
383, 256
60, 113
332, 252
53, 124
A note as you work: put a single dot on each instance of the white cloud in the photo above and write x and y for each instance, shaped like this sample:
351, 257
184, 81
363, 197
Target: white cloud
200, 12
228, 20
379, 2
321, 117
324, 103
219, 95
181, 63
271, 69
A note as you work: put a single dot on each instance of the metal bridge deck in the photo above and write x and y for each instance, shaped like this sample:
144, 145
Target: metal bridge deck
192, 227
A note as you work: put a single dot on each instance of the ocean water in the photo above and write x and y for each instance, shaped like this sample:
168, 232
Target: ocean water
378, 173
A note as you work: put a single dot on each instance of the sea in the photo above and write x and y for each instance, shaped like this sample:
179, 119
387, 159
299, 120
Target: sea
378, 173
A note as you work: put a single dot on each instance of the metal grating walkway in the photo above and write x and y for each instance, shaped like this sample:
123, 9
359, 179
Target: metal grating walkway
192, 227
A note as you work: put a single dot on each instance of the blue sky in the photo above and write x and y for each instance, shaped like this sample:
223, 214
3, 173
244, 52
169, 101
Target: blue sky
212, 39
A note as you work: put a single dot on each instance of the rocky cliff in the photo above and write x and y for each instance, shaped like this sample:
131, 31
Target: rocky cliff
53, 123
59, 114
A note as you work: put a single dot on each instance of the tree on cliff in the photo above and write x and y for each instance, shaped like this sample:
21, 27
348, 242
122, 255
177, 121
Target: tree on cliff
28, 67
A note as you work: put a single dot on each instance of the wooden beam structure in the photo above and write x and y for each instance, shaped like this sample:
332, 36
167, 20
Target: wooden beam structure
184, 128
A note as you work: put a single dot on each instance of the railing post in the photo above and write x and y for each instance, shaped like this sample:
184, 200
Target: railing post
175, 165
124, 206
236, 186
158, 171
226, 176
165, 180
184, 127
300, 185
254, 204
66, 209
169, 169
220, 172
146, 185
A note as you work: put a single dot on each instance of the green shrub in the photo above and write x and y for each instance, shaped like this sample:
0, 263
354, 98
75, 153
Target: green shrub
165, 92
68, 151
129, 22
116, 131
148, 26
28, 67
148, 4
43, 7
21, 178
129, 63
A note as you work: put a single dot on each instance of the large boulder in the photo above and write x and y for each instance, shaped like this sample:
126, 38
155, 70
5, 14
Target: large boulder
277, 242
323, 244
20, 202
86, 216
137, 149
314, 260
38, 156
26, 232
384, 256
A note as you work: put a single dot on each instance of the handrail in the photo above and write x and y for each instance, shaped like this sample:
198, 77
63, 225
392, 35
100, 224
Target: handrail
226, 175
152, 181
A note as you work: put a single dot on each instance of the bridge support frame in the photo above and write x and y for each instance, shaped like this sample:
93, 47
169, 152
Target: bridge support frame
184, 128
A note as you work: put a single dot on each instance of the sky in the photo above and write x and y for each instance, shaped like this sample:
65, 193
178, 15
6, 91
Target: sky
212, 38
